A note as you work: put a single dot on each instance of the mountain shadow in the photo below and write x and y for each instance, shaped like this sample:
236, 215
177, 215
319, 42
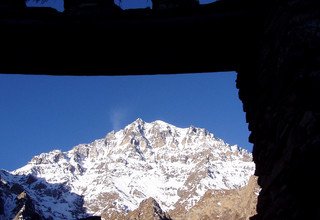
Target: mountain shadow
30, 197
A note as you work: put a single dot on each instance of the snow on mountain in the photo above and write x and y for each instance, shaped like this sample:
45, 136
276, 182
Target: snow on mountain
175, 166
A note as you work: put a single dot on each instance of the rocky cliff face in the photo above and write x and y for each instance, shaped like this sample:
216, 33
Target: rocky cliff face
15, 203
113, 177
234, 204
24, 208
28, 197
149, 209
279, 87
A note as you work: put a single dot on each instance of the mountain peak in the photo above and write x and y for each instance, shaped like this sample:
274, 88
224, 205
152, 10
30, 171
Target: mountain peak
173, 165
137, 124
160, 122
139, 121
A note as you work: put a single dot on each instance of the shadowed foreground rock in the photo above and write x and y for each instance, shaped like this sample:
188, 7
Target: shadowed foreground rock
237, 204
149, 209
25, 208
280, 90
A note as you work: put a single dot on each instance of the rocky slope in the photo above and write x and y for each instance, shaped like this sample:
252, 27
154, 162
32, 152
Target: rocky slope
234, 204
142, 167
148, 209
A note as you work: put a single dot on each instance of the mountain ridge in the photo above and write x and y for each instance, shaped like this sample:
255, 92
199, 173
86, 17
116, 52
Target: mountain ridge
175, 166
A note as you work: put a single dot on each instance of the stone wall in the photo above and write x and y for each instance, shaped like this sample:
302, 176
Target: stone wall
280, 89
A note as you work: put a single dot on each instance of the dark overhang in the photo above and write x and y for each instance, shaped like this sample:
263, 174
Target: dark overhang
214, 37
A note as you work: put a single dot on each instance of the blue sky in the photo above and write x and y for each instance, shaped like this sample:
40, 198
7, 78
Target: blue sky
42, 113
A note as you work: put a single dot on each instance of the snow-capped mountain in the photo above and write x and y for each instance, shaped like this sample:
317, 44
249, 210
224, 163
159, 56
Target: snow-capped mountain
113, 175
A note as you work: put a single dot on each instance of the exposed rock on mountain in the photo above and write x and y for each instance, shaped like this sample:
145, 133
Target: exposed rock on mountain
149, 209
136, 170
24, 208
15, 203
234, 204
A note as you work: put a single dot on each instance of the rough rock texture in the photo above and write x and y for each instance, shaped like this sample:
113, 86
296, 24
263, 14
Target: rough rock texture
175, 166
112, 176
280, 93
149, 209
15, 203
25, 208
28, 197
236, 204
233, 204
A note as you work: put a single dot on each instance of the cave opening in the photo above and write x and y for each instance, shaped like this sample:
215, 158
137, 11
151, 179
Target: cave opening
63, 111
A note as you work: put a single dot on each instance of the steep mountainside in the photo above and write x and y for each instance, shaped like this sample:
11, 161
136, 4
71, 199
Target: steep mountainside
234, 204
153, 163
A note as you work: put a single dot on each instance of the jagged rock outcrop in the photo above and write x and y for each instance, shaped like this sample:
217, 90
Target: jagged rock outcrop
149, 209
24, 208
235, 204
15, 203
28, 197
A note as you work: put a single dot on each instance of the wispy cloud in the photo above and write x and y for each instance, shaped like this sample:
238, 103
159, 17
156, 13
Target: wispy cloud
117, 117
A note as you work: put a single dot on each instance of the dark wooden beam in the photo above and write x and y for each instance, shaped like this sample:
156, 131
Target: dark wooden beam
210, 38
